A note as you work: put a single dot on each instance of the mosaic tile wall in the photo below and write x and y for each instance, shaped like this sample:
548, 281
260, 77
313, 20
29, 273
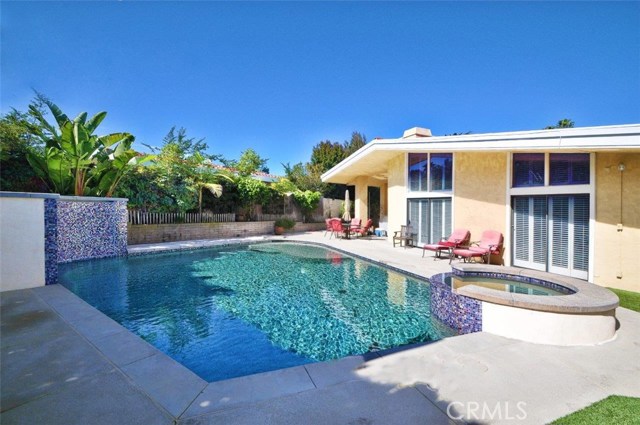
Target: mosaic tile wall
461, 313
91, 230
50, 241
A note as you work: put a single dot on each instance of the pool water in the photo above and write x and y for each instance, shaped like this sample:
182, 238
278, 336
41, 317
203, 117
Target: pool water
502, 285
238, 310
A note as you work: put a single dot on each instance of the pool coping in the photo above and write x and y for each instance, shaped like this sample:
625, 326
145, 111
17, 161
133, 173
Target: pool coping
207, 397
587, 297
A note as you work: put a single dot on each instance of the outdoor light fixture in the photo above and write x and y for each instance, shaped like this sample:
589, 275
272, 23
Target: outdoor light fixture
621, 167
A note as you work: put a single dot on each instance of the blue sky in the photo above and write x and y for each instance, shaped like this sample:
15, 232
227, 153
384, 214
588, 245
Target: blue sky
281, 77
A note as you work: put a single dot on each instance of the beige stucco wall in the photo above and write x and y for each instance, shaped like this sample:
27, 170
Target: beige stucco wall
396, 194
362, 184
480, 199
616, 248
21, 243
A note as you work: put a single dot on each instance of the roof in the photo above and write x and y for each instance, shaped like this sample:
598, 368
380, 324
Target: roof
372, 159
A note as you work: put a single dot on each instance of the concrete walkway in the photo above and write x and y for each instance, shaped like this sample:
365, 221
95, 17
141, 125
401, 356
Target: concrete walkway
63, 362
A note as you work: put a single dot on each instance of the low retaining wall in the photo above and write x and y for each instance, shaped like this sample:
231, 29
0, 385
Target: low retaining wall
155, 233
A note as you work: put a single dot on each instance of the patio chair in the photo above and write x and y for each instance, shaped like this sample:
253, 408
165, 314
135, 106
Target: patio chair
405, 234
327, 222
355, 224
364, 231
490, 244
336, 228
458, 239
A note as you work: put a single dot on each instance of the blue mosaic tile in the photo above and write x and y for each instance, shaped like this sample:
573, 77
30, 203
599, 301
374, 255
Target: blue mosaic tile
459, 312
50, 241
91, 230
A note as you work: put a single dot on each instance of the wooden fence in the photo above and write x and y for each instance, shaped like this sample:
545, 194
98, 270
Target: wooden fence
140, 217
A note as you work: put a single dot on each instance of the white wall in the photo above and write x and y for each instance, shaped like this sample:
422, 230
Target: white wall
543, 327
21, 243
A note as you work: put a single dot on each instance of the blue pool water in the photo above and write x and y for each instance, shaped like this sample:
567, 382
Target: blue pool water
234, 311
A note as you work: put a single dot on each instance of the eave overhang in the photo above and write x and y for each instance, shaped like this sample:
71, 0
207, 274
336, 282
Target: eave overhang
372, 159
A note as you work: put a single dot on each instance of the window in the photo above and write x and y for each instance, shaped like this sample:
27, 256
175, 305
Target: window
568, 168
418, 171
430, 172
440, 166
528, 169
430, 219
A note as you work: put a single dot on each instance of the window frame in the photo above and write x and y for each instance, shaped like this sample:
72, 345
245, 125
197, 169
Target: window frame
427, 192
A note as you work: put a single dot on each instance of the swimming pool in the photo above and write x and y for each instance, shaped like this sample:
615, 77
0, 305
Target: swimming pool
237, 310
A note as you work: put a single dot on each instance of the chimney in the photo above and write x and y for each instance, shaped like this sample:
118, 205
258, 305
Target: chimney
416, 132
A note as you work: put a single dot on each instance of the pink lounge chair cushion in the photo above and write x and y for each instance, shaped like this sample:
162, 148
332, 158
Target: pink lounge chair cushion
490, 242
457, 238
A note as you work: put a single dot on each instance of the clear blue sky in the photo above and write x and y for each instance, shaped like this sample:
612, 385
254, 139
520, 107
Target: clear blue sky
281, 77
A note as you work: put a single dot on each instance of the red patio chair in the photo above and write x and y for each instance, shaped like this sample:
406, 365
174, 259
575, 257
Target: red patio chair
364, 231
490, 244
336, 228
327, 222
355, 225
459, 238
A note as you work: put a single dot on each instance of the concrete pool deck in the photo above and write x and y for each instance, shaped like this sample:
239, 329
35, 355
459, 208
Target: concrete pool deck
64, 362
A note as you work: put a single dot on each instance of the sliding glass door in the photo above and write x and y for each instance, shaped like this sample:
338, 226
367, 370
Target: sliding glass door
552, 233
430, 218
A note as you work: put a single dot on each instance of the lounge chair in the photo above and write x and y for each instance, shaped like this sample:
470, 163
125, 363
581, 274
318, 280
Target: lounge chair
364, 231
490, 244
458, 239
405, 234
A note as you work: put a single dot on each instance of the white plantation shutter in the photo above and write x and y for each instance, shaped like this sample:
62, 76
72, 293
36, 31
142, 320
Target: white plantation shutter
560, 231
430, 218
530, 232
540, 230
521, 229
581, 232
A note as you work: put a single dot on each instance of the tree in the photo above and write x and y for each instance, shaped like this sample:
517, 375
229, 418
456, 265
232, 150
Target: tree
326, 155
174, 182
75, 161
249, 163
16, 142
357, 141
563, 123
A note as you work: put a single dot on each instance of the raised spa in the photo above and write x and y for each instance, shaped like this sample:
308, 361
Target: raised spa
525, 304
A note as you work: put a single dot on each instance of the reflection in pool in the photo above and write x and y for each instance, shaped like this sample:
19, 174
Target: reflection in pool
238, 310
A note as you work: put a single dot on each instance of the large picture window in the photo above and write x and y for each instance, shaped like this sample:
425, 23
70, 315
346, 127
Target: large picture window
430, 172
568, 168
528, 169
418, 177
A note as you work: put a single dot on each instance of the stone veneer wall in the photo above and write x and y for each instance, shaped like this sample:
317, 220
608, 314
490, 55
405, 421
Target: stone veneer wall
91, 228
155, 233
459, 312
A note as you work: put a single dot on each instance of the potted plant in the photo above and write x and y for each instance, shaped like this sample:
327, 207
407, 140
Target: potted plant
282, 224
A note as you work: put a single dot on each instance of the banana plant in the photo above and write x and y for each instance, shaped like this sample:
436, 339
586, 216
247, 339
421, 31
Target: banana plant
78, 162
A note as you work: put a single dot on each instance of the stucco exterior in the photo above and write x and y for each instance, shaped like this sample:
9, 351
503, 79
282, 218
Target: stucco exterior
617, 226
22, 243
482, 192
480, 198
397, 194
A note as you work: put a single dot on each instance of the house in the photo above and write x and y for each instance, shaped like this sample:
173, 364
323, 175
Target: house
567, 200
